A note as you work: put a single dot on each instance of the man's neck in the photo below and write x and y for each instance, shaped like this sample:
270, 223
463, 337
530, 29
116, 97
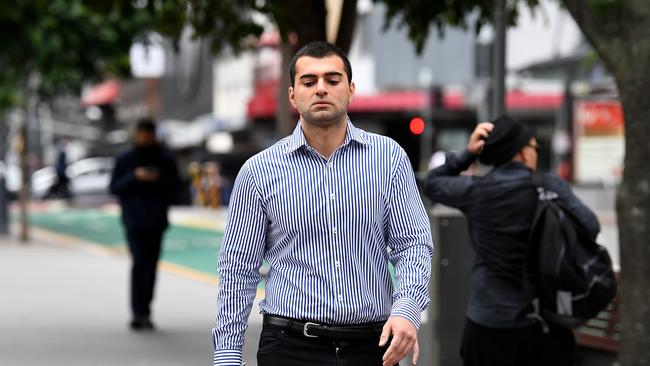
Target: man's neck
325, 139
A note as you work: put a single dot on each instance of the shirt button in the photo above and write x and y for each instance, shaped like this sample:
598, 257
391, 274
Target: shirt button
338, 264
340, 297
332, 195
334, 230
329, 165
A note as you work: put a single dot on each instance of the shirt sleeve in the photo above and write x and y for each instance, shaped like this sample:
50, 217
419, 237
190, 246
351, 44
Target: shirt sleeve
122, 181
444, 184
410, 243
238, 266
580, 211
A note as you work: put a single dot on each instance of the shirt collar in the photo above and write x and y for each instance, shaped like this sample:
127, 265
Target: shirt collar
298, 140
515, 166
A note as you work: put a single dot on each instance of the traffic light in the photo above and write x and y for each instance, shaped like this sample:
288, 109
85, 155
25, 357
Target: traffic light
416, 126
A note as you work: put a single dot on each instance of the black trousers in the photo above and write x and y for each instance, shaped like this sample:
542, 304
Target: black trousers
280, 347
528, 346
144, 246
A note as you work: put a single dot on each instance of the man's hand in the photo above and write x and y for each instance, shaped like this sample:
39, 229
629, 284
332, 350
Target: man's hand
146, 174
477, 139
405, 340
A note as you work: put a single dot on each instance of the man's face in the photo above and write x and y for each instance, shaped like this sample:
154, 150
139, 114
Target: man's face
144, 138
321, 93
530, 153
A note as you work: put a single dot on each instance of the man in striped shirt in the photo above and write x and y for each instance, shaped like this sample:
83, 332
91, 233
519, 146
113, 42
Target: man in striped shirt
328, 208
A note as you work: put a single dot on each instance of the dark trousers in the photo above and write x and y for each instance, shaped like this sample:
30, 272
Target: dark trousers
144, 246
280, 347
528, 346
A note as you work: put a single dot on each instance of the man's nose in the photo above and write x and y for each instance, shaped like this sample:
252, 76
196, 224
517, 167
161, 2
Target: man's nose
321, 87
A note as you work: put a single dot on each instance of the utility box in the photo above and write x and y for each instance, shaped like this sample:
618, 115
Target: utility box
441, 334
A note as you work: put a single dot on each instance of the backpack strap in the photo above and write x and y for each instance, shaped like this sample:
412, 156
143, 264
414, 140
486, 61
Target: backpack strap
537, 179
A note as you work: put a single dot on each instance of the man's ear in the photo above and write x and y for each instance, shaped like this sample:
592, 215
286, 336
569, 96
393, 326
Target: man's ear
520, 156
292, 98
352, 90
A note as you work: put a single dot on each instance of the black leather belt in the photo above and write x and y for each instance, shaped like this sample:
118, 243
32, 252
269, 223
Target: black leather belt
314, 330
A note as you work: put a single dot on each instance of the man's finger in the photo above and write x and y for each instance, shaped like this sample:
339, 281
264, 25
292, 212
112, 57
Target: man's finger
416, 352
391, 349
395, 350
385, 333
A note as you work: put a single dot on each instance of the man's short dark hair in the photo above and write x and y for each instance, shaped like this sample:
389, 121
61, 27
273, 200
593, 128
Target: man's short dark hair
146, 125
319, 49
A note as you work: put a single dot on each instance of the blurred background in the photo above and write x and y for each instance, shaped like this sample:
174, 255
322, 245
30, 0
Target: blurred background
77, 75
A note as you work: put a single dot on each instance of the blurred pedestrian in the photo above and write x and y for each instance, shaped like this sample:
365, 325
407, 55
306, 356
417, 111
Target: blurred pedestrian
501, 327
146, 181
213, 182
196, 184
61, 187
328, 208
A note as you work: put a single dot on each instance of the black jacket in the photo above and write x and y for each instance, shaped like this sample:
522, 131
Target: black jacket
145, 204
499, 207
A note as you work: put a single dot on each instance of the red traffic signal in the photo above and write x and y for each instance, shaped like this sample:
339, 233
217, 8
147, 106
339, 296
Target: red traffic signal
416, 126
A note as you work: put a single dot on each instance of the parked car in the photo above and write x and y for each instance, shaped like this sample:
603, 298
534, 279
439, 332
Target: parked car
89, 176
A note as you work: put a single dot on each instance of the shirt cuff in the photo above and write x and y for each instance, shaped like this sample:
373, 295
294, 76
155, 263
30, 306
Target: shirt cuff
407, 309
228, 357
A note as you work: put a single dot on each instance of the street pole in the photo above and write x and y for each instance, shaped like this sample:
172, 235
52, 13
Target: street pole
499, 65
427, 135
425, 80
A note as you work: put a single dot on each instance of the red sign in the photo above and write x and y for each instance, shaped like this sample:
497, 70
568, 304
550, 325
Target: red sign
599, 117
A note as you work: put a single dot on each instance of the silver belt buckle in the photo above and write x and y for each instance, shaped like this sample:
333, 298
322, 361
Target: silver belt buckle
306, 328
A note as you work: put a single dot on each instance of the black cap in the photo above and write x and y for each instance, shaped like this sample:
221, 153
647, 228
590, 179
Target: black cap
506, 139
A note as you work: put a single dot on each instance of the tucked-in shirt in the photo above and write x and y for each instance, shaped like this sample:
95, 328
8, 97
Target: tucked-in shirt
327, 228
499, 208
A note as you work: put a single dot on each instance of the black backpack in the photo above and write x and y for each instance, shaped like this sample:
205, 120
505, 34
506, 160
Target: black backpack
569, 276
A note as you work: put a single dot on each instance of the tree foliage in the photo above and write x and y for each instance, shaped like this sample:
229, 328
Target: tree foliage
236, 24
64, 43
420, 16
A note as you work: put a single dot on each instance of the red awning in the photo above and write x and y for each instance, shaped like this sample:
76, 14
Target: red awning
262, 105
518, 100
104, 93
389, 102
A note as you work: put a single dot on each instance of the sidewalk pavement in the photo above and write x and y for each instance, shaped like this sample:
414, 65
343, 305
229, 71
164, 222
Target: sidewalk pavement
68, 305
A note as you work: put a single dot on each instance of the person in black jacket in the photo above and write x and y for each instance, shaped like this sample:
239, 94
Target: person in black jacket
500, 328
145, 179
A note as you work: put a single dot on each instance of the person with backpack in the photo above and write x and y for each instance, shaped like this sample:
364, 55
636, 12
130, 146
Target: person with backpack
502, 327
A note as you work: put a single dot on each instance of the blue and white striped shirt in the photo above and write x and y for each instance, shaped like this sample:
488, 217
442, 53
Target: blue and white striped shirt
327, 229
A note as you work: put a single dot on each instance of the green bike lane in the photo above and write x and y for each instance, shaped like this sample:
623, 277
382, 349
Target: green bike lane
186, 248
190, 247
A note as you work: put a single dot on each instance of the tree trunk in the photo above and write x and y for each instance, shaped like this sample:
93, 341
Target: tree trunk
23, 195
346, 25
284, 120
633, 208
307, 20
